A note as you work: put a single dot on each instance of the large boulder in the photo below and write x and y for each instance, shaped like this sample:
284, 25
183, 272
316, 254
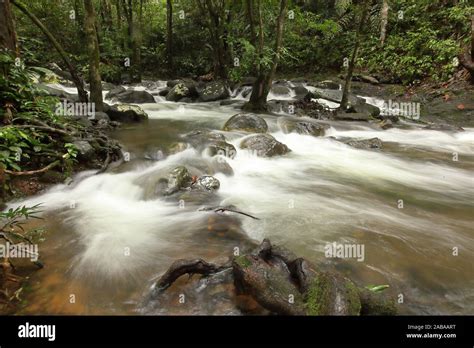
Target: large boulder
246, 122
213, 142
126, 113
363, 107
212, 91
178, 92
301, 126
264, 145
130, 96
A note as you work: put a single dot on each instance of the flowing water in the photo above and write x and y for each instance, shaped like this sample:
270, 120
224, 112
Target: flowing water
110, 236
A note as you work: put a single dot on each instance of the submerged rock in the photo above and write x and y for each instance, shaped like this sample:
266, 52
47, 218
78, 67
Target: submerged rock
373, 143
301, 126
246, 122
264, 145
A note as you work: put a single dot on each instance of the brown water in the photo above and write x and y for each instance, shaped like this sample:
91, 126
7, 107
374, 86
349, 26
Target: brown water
320, 193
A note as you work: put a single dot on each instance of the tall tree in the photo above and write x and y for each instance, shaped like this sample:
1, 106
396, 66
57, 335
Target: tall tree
134, 36
169, 34
263, 83
384, 21
466, 59
347, 84
7, 29
76, 79
217, 16
94, 56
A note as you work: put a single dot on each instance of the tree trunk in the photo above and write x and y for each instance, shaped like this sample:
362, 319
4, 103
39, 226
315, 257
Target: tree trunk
262, 86
350, 70
133, 38
7, 29
94, 61
78, 82
466, 59
169, 35
383, 21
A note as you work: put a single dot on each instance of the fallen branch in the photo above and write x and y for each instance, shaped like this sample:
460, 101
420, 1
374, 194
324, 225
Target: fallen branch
229, 208
181, 267
33, 172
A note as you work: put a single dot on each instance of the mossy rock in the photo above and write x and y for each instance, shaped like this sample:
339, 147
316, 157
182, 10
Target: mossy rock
376, 303
332, 294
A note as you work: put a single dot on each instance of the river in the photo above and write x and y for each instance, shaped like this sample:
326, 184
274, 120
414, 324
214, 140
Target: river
109, 237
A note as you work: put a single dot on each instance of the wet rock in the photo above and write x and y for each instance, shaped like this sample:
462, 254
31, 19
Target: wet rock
264, 145
280, 90
332, 294
126, 113
84, 149
351, 116
364, 108
365, 78
178, 179
386, 124
203, 136
207, 183
221, 148
268, 285
178, 92
164, 92
212, 91
327, 84
246, 122
336, 96
302, 93
373, 143
301, 126
115, 91
220, 165
376, 303
132, 96
212, 142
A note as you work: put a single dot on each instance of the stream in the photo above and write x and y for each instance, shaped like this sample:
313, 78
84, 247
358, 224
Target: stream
110, 237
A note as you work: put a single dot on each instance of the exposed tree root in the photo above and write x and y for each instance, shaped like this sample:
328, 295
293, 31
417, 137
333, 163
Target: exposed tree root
181, 267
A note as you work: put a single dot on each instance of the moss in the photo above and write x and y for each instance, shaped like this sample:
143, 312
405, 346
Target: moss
317, 296
352, 295
243, 261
